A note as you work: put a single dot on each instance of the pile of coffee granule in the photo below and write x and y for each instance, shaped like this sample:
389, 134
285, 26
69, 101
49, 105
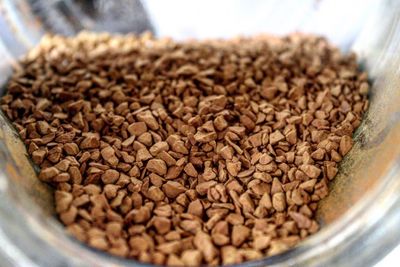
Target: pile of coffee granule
187, 153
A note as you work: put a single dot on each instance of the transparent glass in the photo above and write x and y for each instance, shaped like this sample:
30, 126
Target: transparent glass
361, 215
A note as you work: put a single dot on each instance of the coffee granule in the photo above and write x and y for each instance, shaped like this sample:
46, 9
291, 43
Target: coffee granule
187, 153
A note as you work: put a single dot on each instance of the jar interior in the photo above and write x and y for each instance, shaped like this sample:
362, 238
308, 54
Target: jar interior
376, 141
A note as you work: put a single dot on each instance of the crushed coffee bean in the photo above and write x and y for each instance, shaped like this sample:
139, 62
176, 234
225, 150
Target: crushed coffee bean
187, 153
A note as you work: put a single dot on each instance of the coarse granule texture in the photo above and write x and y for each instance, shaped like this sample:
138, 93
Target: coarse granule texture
200, 152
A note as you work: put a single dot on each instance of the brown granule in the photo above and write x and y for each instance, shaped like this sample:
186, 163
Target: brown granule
200, 152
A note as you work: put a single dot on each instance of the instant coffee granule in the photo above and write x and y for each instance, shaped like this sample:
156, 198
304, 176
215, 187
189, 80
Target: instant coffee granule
187, 153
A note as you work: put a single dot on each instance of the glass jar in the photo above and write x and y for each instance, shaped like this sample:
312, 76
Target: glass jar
361, 215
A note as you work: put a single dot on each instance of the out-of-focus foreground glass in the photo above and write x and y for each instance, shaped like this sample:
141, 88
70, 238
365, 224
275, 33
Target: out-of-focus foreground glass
361, 215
